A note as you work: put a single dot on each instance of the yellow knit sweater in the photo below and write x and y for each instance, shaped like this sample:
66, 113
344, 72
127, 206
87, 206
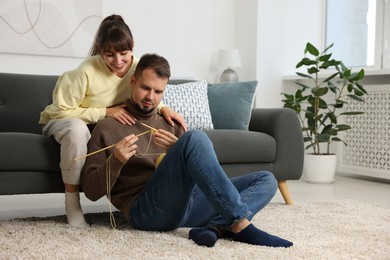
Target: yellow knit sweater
87, 91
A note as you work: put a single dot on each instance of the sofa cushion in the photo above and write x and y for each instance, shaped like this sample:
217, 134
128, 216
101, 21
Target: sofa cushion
191, 101
242, 146
29, 152
231, 104
22, 99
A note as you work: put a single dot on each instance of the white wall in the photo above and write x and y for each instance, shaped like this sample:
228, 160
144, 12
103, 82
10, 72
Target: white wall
246, 38
271, 35
284, 27
187, 33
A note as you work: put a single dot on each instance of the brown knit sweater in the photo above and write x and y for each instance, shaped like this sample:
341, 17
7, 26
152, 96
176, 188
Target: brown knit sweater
129, 179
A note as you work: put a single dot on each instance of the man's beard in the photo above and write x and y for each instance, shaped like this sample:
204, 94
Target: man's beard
143, 110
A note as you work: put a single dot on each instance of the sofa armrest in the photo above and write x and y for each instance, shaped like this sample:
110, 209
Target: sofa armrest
283, 125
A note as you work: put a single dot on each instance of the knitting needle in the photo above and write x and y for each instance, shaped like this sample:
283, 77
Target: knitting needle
154, 129
105, 148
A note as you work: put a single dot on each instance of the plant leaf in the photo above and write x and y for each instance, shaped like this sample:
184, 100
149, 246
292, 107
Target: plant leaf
356, 76
312, 70
330, 63
323, 138
308, 62
333, 87
354, 97
307, 129
352, 113
311, 49
318, 92
361, 74
326, 129
337, 105
304, 75
361, 88
325, 57
331, 77
302, 85
350, 88
332, 117
327, 48
299, 64
336, 139
343, 127
309, 146
358, 92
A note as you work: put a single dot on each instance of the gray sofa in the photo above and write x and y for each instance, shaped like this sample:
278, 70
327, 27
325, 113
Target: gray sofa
29, 161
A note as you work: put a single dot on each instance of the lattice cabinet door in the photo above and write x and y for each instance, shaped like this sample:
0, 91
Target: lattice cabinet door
368, 150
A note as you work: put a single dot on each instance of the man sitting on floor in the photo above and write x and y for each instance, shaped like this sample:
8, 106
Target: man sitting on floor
188, 188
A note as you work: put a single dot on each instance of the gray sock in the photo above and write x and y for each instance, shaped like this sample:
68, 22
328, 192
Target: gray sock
74, 213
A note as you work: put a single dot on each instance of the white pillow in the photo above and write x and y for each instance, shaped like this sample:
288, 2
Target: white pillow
191, 101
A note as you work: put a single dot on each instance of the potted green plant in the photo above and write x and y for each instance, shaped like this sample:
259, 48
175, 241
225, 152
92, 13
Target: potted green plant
319, 103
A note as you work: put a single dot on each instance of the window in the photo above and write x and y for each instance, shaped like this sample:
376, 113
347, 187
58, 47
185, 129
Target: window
360, 31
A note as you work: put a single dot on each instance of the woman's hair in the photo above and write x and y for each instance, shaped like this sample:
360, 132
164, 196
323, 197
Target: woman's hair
114, 33
155, 62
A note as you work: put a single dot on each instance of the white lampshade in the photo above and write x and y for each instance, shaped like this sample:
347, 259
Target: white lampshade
229, 58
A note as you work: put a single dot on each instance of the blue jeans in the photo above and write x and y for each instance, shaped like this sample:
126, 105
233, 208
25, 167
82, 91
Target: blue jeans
190, 189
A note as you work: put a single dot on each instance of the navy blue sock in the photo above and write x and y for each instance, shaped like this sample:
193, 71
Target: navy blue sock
254, 236
204, 236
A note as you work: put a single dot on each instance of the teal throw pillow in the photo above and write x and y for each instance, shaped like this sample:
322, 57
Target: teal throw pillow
231, 104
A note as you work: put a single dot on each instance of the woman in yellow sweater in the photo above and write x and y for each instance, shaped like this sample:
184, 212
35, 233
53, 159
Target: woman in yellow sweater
82, 97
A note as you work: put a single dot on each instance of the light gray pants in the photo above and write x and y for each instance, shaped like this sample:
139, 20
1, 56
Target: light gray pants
73, 136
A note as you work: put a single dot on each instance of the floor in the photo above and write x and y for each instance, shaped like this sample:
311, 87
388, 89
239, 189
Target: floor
344, 187
349, 187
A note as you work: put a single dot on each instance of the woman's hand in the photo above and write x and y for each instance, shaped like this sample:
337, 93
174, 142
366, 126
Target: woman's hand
121, 115
164, 139
125, 148
169, 115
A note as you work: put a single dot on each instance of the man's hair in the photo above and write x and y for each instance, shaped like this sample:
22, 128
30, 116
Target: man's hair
155, 62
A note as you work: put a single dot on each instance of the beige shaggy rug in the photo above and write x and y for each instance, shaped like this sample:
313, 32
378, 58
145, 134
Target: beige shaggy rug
319, 230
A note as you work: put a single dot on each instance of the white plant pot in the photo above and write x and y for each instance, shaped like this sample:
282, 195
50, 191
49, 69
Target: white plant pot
319, 168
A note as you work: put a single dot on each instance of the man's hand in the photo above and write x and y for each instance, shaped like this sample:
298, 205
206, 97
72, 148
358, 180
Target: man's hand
125, 148
169, 115
164, 139
121, 115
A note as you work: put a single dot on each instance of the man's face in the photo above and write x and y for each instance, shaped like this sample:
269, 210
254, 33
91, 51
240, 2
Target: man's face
147, 90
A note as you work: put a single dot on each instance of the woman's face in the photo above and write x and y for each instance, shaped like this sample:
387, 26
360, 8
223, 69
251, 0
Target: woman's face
119, 63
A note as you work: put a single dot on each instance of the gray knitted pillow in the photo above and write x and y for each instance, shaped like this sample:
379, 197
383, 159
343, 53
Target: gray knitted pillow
191, 101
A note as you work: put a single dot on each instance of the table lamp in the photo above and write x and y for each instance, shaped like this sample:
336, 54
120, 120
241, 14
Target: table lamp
229, 58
